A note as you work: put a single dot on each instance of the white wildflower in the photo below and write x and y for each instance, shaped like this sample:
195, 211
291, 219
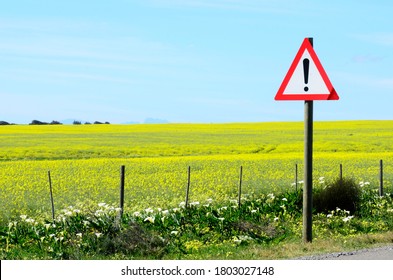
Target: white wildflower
284, 199
149, 210
68, 213
174, 232
276, 219
165, 212
237, 241
149, 219
30, 221
254, 211
245, 238
195, 203
136, 214
102, 204
79, 235
98, 234
347, 219
23, 217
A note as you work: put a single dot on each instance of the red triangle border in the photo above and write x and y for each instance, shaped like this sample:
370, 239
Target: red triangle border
306, 45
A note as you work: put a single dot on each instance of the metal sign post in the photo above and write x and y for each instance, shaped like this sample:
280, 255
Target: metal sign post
307, 189
307, 80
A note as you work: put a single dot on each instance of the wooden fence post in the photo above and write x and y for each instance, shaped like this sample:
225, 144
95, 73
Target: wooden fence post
122, 179
51, 195
296, 177
188, 185
381, 178
341, 172
240, 186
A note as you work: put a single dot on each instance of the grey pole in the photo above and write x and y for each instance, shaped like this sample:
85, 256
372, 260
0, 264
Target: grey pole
308, 151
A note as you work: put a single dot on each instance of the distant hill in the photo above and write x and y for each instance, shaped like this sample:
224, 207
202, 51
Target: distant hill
146, 121
153, 120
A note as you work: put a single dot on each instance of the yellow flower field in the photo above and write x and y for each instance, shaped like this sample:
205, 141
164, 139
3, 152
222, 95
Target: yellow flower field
85, 160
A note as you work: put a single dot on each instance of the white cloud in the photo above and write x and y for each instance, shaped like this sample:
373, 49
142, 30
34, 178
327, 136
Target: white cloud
378, 38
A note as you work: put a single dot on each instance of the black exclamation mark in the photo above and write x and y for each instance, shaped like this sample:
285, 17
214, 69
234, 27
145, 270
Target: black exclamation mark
306, 66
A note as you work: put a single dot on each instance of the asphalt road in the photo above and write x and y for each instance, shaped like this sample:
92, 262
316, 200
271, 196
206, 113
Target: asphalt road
382, 253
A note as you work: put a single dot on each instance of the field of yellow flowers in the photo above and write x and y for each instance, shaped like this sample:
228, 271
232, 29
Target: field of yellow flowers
85, 160
84, 163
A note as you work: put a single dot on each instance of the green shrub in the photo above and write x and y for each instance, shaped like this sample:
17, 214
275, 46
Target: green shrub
341, 193
133, 240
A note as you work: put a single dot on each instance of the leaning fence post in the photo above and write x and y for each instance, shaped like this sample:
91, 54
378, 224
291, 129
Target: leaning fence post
341, 171
240, 186
51, 195
188, 186
122, 177
381, 178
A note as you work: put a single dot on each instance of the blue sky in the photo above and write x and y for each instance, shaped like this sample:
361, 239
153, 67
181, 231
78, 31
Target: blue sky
189, 60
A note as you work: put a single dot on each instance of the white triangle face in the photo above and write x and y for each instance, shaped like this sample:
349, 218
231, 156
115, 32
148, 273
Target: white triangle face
297, 83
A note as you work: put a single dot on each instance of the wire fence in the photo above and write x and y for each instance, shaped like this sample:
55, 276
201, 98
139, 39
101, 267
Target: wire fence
28, 187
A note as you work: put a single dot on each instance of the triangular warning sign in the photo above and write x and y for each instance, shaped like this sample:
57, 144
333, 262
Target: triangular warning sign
306, 79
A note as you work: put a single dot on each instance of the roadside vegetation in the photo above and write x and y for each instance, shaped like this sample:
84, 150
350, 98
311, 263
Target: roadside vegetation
204, 230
